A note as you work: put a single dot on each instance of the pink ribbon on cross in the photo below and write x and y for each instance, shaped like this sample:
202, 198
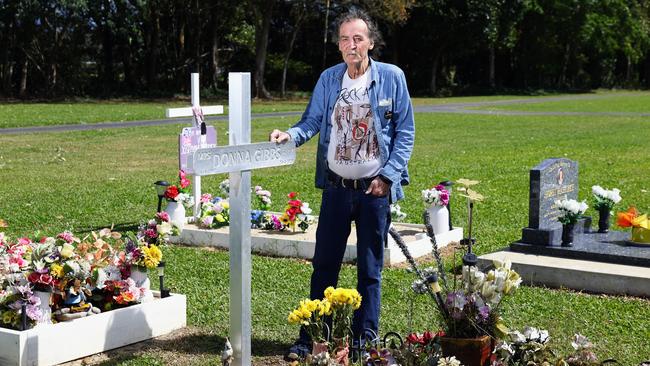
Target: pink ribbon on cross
198, 114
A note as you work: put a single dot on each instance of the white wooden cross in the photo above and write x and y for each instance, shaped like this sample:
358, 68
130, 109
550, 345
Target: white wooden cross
197, 112
238, 159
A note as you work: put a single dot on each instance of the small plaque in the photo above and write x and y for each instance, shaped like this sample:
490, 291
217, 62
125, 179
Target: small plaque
191, 140
234, 158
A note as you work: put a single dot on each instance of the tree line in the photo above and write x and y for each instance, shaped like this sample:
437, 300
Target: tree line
108, 48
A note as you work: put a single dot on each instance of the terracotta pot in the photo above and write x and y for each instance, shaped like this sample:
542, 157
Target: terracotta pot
319, 347
469, 351
341, 351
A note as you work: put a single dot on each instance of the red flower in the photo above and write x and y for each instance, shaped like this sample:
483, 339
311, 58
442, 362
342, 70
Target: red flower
292, 195
427, 336
295, 203
171, 192
413, 338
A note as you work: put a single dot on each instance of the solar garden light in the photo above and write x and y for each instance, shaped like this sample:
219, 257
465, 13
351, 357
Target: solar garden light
161, 274
161, 187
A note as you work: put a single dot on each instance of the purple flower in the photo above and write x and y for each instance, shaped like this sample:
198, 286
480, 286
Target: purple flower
207, 221
34, 312
483, 313
455, 303
151, 233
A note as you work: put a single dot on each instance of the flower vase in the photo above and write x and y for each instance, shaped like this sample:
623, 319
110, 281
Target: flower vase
341, 351
46, 310
319, 347
176, 212
567, 235
140, 277
439, 218
603, 220
469, 351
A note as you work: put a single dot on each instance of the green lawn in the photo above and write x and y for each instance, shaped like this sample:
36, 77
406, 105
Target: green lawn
638, 102
87, 112
93, 179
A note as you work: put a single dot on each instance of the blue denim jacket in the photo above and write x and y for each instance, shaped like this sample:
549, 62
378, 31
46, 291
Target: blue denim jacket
388, 93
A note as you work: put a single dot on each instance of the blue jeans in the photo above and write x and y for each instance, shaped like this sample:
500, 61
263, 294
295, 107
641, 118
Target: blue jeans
339, 208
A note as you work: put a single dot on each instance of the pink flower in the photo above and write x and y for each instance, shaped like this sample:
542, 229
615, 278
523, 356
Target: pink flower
163, 216
24, 241
185, 183
151, 233
206, 197
66, 236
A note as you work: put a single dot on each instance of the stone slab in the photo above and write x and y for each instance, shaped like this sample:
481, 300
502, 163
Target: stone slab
612, 247
302, 245
581, 275
51, 344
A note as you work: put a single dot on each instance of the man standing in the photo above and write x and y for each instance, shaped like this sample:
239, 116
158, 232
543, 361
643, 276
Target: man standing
362, 110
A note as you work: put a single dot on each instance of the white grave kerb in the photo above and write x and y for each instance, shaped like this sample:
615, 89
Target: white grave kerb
238, 159
197, 121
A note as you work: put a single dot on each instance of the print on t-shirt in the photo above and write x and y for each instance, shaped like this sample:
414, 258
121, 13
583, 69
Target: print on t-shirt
356, 140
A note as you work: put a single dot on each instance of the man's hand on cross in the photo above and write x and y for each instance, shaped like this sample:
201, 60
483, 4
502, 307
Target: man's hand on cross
279, 136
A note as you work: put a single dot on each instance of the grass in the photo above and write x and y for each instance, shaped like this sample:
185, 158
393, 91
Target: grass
87, 112
16, 114
93, 179
638, 102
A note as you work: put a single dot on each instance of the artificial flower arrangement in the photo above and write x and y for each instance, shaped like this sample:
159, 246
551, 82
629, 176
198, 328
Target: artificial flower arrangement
472, 309
605, 199
571, 210
158, 230
639, 224
532, 347
339, 304
297, 213
263, 198
436, 196
180, 192
80, 275
215, 212
396, 213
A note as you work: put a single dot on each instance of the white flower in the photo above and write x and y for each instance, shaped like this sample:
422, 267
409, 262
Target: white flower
448, 361
580, 342
543, 336
504, 350
531, 333
517, 337
305, 208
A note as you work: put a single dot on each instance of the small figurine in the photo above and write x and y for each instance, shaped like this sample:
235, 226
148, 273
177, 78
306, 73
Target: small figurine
226, 355
75, 305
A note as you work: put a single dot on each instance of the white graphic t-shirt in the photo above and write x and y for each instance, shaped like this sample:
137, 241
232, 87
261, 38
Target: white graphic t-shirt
353, 150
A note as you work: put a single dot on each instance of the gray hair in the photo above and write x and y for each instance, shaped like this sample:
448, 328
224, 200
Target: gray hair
356, 13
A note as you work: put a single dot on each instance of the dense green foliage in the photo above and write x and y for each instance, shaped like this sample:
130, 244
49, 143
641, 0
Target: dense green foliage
147, 47
93, 179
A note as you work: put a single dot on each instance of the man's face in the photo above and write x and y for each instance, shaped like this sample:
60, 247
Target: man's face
354, 42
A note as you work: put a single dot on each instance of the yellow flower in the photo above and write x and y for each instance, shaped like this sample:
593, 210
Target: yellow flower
225, 204
324, 308
67, 250
328, 293
7, 317
284, 219
152, 255
220, 218
56, 270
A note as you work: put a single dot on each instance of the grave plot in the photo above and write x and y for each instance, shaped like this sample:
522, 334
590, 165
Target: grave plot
51, 344
596, 262
302, 244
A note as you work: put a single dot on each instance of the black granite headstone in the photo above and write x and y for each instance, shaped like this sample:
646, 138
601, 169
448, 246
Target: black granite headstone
553, 179
557, 179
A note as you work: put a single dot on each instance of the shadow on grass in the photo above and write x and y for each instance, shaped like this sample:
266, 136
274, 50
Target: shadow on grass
121, 227
186, 345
